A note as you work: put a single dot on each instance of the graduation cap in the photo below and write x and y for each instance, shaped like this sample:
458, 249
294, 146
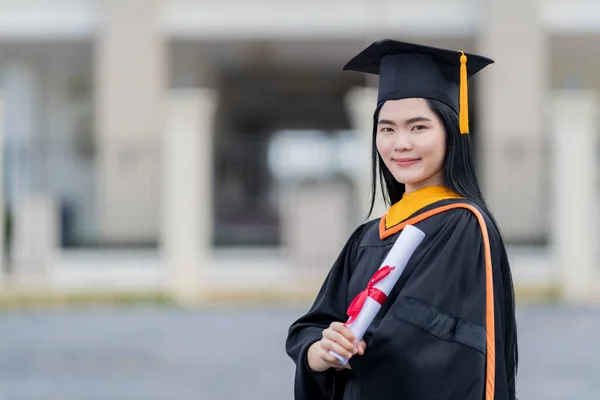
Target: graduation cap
411, 70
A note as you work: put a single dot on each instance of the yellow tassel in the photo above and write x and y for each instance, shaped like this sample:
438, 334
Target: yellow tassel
464, 96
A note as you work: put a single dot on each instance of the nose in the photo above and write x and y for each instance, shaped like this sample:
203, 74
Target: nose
402, 143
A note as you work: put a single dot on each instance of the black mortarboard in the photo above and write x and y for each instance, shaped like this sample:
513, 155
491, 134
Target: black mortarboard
411, 70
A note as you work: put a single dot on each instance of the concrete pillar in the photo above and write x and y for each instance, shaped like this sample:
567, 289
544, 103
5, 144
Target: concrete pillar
314, 223
187, 192
360, 104
575, 127
2, 194
129, 85
36, 239
21, 115
21, 93
511, 150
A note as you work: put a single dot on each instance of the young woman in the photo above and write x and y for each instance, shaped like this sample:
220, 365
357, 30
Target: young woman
447, 330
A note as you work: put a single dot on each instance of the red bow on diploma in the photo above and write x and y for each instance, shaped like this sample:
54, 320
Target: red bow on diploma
372, 292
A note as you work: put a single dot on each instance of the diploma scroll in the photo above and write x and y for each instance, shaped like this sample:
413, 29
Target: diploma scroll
367, 304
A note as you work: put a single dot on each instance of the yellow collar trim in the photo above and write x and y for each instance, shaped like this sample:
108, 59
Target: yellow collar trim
413, 202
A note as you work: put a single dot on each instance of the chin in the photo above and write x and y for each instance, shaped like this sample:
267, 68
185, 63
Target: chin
407, 180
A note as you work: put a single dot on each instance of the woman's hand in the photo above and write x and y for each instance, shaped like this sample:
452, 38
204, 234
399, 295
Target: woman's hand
341, 340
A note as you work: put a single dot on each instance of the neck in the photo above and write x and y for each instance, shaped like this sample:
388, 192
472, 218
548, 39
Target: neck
434, 180
415, 200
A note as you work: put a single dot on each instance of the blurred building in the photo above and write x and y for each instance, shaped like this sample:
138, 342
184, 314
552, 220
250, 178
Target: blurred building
89, 88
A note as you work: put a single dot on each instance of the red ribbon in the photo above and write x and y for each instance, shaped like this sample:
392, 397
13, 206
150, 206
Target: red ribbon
372, 292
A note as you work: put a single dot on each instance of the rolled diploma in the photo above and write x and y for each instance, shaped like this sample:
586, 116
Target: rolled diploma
398, 256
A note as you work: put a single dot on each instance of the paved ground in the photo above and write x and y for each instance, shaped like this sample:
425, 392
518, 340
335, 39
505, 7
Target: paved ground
226, 353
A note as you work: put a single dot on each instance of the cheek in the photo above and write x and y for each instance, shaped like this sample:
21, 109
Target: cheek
382, 147
438, 154
441, 150
435, 150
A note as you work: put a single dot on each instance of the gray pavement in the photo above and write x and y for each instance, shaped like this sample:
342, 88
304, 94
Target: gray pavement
236, 353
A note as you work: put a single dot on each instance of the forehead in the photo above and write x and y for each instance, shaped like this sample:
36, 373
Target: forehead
405, 108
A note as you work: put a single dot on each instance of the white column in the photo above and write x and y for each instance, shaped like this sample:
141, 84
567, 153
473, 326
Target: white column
575, 127
511, 99
130, 81
21, 92
360, 104
33, 227
187, 189
2, 203
314, 224
36, 239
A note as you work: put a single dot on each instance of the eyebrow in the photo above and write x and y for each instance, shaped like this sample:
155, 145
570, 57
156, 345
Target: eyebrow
407, 122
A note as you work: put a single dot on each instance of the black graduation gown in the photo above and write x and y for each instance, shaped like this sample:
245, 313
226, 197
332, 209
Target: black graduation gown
428, 341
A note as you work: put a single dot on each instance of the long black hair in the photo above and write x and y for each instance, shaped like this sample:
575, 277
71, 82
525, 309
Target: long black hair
459, 175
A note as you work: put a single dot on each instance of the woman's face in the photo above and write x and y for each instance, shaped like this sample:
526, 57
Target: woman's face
412, 143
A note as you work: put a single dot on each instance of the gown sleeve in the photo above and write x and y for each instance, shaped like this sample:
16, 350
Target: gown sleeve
430, 344
329, 306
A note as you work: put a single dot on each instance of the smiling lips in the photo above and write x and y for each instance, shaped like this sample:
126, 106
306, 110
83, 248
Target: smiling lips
405, 161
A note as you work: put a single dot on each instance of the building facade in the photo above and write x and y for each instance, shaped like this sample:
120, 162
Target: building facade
91, 88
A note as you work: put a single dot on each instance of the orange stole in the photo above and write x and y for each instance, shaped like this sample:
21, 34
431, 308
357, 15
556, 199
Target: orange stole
490, 333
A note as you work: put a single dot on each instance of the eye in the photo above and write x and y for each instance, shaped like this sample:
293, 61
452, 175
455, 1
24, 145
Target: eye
386, 129
418, 128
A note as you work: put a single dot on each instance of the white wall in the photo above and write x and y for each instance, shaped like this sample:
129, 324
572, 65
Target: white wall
44, 19
570, 16
239, 19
